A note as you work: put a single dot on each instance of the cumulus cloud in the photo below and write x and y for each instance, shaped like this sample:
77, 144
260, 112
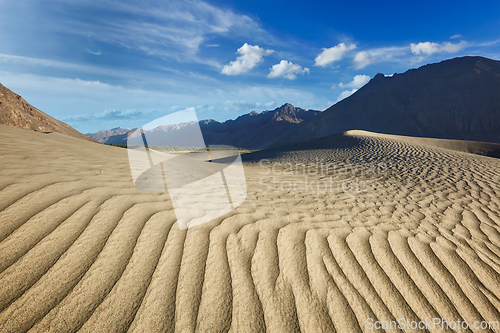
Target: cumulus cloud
357, 82
328, 56
429, 48
346, 94
250, 56
287, 70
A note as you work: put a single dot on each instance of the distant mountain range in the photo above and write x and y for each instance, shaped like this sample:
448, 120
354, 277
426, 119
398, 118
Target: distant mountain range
116, 135
15, 111
454, 99
251, 131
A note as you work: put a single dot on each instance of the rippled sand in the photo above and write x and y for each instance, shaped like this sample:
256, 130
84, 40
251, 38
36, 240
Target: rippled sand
81, 249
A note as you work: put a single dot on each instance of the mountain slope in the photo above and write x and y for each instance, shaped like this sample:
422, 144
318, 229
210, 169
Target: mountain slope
256, 130
454, 99
252, 131
16, 112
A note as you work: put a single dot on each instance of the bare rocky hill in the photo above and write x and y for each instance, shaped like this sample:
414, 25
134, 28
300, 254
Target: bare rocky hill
15, 111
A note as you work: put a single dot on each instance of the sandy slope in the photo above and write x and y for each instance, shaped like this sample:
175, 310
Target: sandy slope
82, 249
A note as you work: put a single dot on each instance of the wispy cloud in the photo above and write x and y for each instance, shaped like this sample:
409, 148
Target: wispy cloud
250, 56
287, 70
18, 65
174, 29
486, 43
92, 52
28, 61
109, 114
368, 57
455, 36
231, 104
332, 54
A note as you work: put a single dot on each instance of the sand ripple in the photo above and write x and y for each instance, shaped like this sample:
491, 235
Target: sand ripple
82, 250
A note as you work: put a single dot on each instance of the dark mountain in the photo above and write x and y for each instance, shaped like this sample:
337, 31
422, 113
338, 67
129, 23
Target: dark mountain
251, 131
16, 112
255, 130
454, 99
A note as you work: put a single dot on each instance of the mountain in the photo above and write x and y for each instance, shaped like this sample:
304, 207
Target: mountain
16, 112
251, 131
255, 130
454, 99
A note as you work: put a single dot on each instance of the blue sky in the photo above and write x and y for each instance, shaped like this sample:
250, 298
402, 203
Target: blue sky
103, 64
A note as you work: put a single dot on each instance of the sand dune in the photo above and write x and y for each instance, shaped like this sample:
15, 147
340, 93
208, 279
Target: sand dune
416, 235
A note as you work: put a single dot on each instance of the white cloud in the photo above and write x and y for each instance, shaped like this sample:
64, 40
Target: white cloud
429, 48
328, 56
287, 69
455, 36
346, 94
357, 82
250, 57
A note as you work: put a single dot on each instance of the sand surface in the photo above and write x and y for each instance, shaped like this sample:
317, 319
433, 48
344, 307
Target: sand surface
416, 235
